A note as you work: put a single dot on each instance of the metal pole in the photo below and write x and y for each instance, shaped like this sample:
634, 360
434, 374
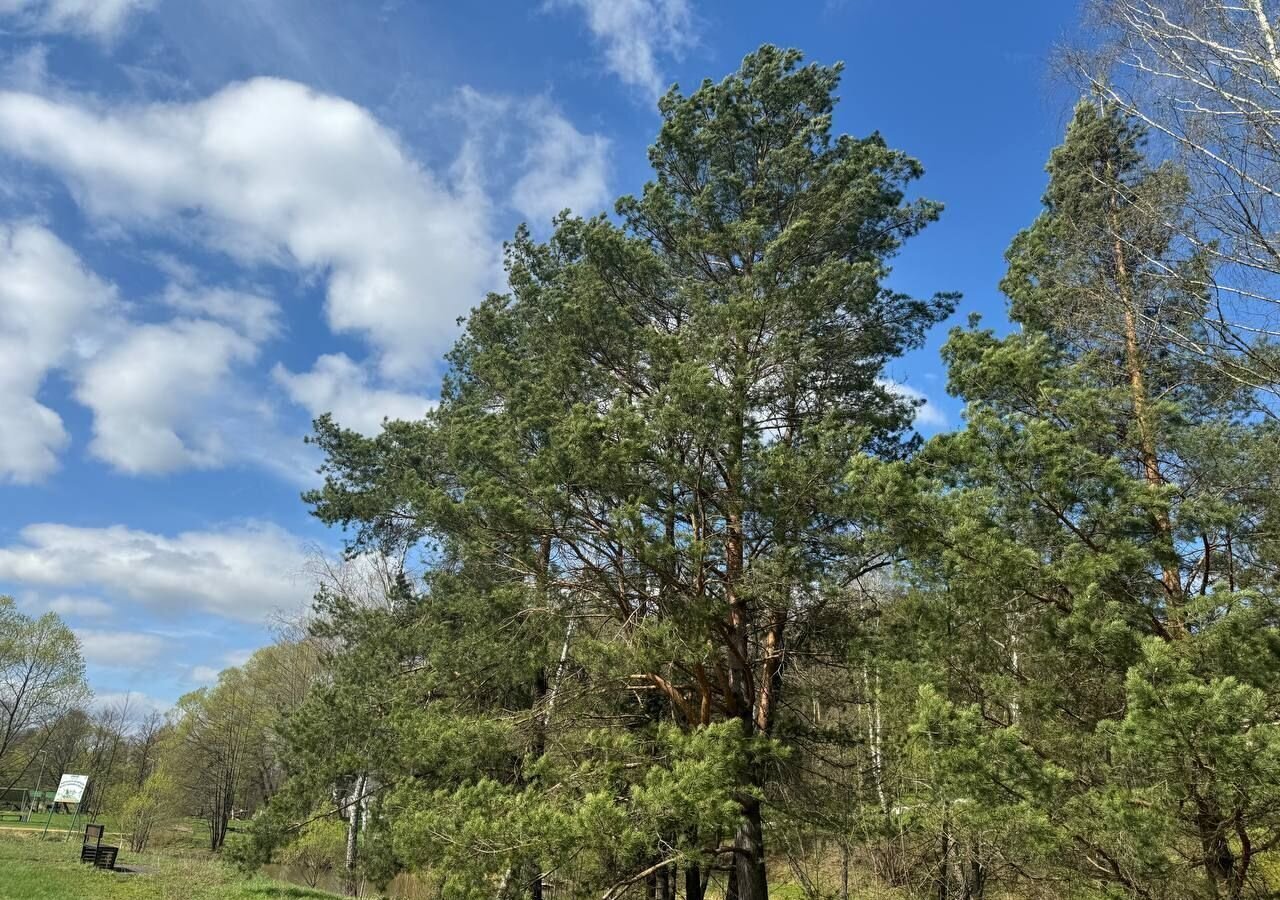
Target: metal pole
72, 826
44, 761
49, 819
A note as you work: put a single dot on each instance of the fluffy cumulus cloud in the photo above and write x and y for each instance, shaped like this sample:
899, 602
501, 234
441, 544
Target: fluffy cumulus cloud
270, 170
253, 315
337, 385
154, 395
49, 307
634, 33
162, 393
93, 18
204, 675
247, 572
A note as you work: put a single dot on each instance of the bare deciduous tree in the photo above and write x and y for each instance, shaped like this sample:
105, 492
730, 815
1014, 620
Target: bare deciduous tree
1204, 77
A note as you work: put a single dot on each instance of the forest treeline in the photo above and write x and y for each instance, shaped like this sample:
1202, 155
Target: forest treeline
666, 598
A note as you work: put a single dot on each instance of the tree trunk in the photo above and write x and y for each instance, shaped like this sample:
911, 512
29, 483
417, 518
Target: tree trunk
844, 870
944, 865
354, 809
875, 737
1169, 576
748, 846
693, 882
1219, 860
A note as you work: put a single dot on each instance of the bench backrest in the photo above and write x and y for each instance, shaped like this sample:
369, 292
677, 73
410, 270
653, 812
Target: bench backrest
93, 834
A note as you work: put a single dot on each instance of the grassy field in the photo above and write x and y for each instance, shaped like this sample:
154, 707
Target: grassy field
32, 869
190, 833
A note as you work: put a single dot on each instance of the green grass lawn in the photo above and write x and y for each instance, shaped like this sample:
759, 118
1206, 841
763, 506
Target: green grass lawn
192, 833
32, 869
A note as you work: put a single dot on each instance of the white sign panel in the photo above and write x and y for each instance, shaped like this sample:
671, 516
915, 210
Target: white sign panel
71, 788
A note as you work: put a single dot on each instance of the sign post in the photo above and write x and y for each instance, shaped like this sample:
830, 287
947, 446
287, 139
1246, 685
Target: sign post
70, 790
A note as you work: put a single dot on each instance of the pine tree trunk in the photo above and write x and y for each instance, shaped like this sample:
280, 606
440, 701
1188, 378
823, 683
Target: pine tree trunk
1146, 438
1219, 860
748, 846
693, 882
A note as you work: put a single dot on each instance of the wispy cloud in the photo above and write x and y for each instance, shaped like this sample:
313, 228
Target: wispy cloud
102, 19
244, 572
633, 34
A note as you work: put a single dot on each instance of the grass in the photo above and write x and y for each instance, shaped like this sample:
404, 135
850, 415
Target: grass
32, 869
191, 832
58, 823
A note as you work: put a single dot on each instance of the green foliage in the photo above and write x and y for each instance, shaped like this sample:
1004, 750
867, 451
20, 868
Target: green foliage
41, 680
318, 850
1099, 563
693, 594
153, 806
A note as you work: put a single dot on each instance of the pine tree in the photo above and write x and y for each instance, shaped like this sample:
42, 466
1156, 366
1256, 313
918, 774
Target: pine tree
649, 435
1095, 545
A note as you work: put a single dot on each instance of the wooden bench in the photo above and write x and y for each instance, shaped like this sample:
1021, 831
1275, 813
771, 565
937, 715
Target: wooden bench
92, 842
96, 853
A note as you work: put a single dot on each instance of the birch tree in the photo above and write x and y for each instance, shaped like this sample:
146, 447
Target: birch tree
1204, 77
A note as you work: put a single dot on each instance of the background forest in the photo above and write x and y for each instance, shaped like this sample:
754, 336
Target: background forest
667, 598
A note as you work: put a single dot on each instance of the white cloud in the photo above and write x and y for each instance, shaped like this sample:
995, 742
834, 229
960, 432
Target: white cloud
551, 164
120, 649
204, 675
49, 306
66, 605
927, 413
102, 19
269, 170
164, 395
244, 572
254, 316
634, 33
138, 706
151, 394
563, 168
238, 657
337, 385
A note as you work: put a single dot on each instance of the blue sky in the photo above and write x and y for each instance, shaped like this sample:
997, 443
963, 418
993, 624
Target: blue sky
221, 217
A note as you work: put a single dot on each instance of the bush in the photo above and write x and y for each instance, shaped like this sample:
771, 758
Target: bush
318, 850
152, 805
